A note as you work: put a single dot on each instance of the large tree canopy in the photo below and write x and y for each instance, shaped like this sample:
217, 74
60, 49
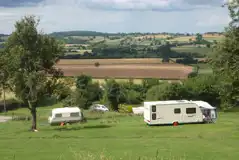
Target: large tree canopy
225, 61
31, 56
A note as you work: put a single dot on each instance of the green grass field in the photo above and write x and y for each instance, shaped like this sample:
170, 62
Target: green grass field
119, 137
193, 49
211, 39
204, 68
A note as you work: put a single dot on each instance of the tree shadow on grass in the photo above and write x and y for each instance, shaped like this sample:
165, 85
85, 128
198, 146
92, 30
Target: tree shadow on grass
181, 124
93, 118
74, 128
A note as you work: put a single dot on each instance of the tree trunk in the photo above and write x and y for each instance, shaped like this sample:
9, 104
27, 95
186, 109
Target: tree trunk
4, 100
33, 110
34, 119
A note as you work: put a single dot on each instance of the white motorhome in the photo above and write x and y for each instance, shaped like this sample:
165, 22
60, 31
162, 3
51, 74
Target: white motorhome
66, 115
178, 112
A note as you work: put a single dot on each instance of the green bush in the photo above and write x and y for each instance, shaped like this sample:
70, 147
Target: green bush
11, 104
61, 91
125, 108
133, 97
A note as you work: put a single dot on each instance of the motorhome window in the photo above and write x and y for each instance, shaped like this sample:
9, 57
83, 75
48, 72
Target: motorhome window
153, 108
177, 110
58, 115
154, 116
190, 110
76, 114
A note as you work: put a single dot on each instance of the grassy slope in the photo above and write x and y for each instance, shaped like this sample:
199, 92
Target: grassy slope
193, 49
120, 137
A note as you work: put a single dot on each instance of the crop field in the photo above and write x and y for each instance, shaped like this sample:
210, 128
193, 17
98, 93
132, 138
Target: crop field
111, 61
193, 49
206, 37
211, 39
135, 81
204, 69
124, 68
117, 136
128, 71
183, 38
82, 51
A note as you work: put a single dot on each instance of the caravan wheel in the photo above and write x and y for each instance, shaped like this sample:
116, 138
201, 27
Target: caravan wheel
175, 123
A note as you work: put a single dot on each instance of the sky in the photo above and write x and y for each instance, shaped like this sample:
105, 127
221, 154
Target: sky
191, 16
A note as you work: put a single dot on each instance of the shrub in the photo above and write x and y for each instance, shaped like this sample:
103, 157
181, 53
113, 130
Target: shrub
133, 97
125, 108
61, 91
21, 118
97, 64
11, 104
173, 91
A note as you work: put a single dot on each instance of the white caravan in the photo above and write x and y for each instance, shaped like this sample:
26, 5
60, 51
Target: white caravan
66, 115
178, 112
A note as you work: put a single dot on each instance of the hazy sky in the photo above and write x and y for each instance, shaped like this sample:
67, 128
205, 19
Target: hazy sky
118, 15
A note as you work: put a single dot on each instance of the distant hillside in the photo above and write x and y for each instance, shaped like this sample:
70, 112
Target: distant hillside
3, 35
81, 33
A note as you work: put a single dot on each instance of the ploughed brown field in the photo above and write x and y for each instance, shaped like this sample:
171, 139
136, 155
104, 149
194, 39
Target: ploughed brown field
124, 68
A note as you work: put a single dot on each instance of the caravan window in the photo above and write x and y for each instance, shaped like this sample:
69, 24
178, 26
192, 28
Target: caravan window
153, 108
58, 115
75, 114
154, 116
177, 110
190, 110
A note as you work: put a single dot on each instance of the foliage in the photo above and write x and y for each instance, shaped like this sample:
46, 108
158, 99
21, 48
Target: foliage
225, 61
166, 91
79, 33
199, 38
203, 87
61, 91
10, 104
187, 60
133, 97
4, 76
97, 64
113, 93
125, 108
31, 56
83, 81
85, 94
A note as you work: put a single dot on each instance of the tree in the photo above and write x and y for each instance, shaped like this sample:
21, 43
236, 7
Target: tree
32, 56
165, 52
83, 81
113, 93
199, 38
202, 87
3, 78
166, 91
225, 60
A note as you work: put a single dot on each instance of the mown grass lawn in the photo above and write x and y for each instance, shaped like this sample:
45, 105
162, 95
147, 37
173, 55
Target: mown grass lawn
118, 136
